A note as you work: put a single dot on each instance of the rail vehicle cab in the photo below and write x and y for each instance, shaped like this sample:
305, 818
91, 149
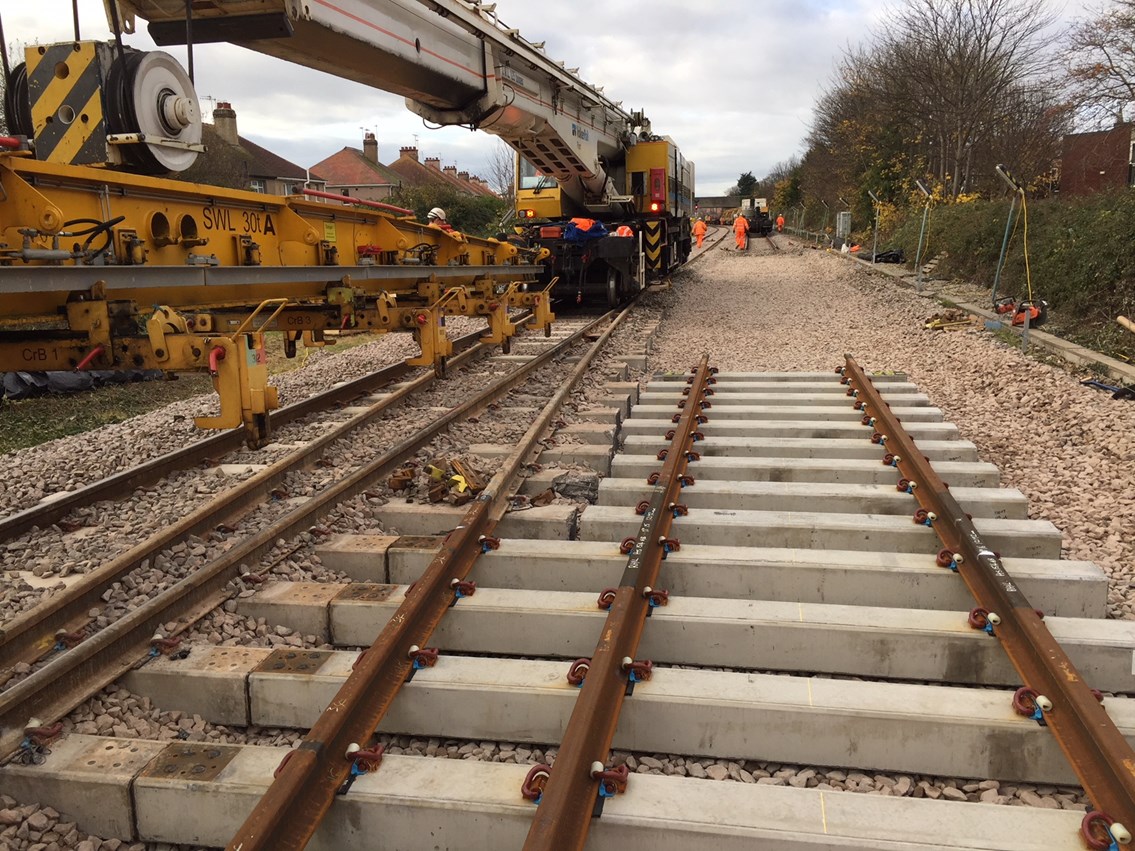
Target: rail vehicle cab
661, 182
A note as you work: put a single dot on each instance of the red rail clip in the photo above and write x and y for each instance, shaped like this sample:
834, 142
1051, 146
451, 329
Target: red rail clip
534, 782
423, 657
611, 780
69, 639
164, 646
577, 673
43, 736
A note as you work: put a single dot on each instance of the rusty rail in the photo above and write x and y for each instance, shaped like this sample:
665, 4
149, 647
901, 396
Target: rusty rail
308, 780
573, 788
1054, 692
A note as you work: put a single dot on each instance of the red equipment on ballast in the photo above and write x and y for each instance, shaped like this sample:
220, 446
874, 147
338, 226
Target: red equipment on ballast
1037, 312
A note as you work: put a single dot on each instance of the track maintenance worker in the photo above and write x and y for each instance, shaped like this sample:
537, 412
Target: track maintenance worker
699, 231
780, 222
436, 219
741, 231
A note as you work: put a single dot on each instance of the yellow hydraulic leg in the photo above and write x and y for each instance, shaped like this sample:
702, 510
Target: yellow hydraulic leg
239, 367
542, 309
500, 328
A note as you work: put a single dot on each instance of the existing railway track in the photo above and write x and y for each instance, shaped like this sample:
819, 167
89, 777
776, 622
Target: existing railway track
204, 451
72, 657
793, 520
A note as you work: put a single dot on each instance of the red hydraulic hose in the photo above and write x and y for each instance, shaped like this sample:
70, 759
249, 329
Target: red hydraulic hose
94, 353
347, 199
216, 355
10, 142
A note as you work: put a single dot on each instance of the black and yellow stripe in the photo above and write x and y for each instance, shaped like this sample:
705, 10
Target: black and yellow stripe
65, 91
652, 235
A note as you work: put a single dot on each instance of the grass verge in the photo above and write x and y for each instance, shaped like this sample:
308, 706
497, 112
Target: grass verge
30, 422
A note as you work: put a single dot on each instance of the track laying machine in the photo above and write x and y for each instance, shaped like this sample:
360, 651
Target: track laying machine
105, 264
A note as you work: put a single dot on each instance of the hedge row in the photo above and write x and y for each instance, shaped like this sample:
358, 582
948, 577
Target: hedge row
1081, 257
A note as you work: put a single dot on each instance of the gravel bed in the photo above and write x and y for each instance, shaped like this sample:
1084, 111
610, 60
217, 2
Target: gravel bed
28, 827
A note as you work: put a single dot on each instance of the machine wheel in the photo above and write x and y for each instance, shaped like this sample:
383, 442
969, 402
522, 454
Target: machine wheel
614, 287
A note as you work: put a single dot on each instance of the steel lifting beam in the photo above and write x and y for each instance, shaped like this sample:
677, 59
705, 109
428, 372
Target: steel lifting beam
1054, 691
571, 791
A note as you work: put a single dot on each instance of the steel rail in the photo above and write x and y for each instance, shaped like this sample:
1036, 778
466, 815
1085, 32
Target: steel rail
717, 240
202, 451
137, 281
308, 780
569, 797
32, 635
79, 672
1098, 753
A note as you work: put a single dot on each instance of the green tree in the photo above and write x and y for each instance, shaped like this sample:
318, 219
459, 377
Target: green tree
746, 185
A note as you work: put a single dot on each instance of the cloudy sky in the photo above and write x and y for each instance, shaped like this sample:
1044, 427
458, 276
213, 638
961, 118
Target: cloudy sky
732, 81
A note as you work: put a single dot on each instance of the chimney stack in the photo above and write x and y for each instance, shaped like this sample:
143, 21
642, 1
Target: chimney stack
434, 163
370, 147
224, 121
410, 153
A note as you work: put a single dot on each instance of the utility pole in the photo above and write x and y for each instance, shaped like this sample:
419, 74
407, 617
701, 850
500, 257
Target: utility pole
921, 234
875, 242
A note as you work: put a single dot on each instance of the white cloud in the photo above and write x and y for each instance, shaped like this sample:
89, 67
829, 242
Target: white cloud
733, 82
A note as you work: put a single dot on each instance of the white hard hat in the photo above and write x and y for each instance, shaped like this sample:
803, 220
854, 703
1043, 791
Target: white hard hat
436, 213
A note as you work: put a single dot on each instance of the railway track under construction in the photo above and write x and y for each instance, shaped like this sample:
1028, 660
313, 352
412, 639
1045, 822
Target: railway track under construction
770, 573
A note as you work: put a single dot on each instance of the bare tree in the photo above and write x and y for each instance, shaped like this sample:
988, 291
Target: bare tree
1100, 56
946, 91
502, 172
949, 67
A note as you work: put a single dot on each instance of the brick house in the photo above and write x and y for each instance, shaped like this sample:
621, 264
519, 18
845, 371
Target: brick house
358, 173
1098, 161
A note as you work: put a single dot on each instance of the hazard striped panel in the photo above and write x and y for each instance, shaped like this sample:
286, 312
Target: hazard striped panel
65, 91
653, 239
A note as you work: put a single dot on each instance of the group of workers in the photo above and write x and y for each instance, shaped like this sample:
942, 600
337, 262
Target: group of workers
740, 230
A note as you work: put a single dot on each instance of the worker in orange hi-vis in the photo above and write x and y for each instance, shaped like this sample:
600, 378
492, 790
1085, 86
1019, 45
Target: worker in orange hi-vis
780, 223
741, 231
699, 231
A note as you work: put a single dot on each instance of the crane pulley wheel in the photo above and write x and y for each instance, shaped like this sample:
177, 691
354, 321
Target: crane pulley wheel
150, 93
17, 108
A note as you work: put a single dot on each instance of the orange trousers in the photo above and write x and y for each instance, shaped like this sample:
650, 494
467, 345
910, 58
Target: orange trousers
741, 238
701, 239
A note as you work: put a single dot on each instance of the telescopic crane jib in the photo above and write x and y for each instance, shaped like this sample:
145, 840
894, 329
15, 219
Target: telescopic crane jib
104, 264
580, 153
